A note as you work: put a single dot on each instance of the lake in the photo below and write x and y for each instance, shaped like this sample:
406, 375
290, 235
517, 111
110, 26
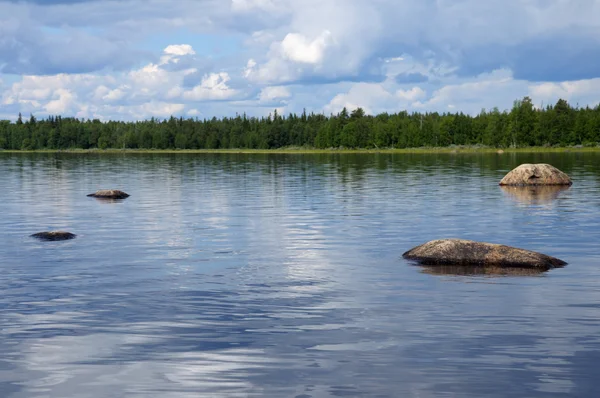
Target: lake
247, 275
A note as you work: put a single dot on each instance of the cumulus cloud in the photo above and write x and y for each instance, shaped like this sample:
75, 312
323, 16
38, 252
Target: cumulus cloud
470, 95
174, 52
410, 95
583, 91
323, 40
151, 90
477, 37
298, 48
274, 93
62, 102
121, 59
374, 98
213, 87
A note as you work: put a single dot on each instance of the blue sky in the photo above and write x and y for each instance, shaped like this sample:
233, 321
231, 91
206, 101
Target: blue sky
135, 59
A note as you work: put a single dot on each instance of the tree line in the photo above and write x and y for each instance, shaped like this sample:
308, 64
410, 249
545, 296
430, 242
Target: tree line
524, 125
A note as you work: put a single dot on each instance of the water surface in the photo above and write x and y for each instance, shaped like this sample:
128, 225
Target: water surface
282, 276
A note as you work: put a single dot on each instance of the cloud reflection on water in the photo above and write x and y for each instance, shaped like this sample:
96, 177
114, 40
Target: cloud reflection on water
278, 276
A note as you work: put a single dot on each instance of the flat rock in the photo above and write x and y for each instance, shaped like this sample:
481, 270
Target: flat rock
109, 194
54, 235
471, 253
536, 174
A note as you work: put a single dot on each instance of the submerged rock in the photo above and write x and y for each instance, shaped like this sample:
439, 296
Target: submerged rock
471, 253
536, 174
54, 235
109, 194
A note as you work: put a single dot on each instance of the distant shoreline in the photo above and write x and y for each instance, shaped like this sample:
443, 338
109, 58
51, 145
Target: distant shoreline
309, 151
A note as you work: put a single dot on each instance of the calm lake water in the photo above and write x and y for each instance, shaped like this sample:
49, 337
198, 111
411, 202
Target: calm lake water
232, 275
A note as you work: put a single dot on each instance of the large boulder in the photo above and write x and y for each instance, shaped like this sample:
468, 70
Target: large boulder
471, 253
536, 174
54, 235
109, 194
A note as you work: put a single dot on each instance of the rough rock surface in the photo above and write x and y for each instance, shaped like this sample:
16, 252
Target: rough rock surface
109, 194
467, 252
54, 235
536, 174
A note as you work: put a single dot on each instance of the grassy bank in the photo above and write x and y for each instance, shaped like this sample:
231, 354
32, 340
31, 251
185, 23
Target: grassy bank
303, 150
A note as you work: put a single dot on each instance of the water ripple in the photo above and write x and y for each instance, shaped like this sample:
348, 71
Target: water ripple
281, 276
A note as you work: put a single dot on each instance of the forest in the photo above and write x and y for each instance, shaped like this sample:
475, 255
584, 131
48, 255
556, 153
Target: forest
524, 125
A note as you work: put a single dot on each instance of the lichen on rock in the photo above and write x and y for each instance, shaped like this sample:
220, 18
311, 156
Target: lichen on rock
536, 174
471, 253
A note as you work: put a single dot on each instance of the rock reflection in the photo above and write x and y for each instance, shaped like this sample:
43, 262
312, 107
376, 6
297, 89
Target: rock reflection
491, 271
109, 200
535, 195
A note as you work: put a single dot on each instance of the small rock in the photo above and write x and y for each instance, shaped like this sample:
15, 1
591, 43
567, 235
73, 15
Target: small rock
109, 194
466, 252
536, 174
54, 235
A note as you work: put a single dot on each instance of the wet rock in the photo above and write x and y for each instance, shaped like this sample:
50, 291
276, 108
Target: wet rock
109, 194
54, 235
536, 174
471, 253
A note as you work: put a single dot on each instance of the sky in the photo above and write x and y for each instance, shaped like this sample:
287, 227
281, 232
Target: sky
137, 59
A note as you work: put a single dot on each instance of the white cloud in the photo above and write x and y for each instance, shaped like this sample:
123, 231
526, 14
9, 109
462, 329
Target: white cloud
151, 90
269, 94
160, 109
584, 91
179, 49
470, 95
213, 87
328, 39
325, 54
372, 97
116, 94
276, 70
49, 94
298, 48
174, 52
250, 68
413, 94
63, 103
